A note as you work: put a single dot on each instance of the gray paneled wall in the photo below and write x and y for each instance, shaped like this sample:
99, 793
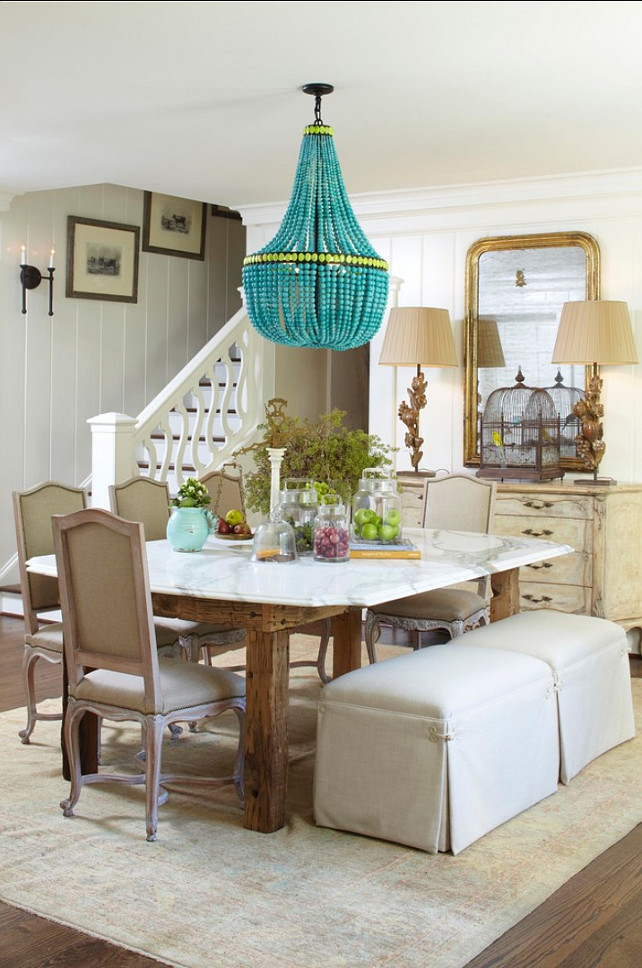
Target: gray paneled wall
94, 356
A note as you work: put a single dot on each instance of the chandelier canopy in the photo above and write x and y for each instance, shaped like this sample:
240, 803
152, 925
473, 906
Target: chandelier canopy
319, 282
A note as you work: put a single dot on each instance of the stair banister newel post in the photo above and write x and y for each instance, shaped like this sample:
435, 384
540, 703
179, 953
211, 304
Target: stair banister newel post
275, 455
111, 453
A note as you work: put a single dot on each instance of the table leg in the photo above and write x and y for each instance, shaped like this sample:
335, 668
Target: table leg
346, 631
266, 743
505, 600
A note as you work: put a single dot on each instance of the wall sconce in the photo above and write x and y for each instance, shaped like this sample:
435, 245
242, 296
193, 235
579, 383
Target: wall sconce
415, 336
30, 278
594, 332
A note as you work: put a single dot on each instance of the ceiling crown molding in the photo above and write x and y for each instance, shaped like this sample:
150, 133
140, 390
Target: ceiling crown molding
374, 205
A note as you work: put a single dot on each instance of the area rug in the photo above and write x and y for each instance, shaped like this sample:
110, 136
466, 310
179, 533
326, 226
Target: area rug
209, 894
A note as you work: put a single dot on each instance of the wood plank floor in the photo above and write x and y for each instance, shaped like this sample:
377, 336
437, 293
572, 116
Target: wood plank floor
594, 920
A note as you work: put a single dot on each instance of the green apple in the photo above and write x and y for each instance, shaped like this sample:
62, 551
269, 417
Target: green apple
369, 532
387, 532
392, 517
363, 516
234, 517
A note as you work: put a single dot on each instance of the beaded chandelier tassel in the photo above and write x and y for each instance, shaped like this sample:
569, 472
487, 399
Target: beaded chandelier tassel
319, 282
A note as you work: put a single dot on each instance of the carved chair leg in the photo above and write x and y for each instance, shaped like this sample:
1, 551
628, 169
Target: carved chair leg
71, 729
28, 674
372, 634
323, 651
153, 742
28, 671
239, 765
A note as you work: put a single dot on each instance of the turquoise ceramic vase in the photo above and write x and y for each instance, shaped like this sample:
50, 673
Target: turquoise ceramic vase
188, 528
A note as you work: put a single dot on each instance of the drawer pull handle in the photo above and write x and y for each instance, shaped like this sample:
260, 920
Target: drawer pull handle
538, 505
537, 534
538, 601
544, 564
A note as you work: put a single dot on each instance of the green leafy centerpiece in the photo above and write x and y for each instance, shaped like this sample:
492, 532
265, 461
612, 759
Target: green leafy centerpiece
324, 451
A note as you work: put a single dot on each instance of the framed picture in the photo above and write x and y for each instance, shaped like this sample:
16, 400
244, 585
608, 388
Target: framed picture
174, 226
102, 260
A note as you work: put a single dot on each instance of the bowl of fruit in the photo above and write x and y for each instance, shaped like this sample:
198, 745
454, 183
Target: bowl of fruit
234, 527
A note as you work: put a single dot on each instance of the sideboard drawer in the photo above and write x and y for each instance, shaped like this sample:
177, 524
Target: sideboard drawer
564, 598
575, 569
544, 506
576, 532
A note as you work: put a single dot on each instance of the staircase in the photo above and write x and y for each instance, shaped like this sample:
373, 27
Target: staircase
206, 413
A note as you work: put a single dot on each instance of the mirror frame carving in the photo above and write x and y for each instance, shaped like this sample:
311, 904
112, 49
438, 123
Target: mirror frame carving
477, 249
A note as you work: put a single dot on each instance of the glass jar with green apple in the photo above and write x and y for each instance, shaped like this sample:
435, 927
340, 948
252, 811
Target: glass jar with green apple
376, 508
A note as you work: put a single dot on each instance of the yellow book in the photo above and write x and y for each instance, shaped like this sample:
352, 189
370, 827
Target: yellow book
372, 549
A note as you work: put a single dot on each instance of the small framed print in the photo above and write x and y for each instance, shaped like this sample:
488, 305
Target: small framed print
174, 226
102, 260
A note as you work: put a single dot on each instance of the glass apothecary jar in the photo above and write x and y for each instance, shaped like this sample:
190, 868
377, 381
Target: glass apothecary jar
299, 503
332, 530
274, 541
376, 508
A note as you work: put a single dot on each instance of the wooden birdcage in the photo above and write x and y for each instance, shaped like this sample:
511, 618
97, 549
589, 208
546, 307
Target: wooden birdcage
520, 434
565, 399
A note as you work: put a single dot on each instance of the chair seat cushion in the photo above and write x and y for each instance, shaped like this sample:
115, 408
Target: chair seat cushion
183, 685
49, 638
449, 604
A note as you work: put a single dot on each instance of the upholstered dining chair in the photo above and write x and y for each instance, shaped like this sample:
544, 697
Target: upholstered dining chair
226, 491
148, 501
112, 661
32, 511
455, 502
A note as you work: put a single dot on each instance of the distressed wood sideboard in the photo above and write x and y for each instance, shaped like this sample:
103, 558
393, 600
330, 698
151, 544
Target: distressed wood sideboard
604, 525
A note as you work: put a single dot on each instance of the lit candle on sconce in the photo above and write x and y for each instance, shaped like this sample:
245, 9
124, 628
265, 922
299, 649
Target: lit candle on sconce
51, 258
23, 255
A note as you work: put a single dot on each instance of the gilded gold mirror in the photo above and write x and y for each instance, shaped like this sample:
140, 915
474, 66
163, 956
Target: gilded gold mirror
515, 289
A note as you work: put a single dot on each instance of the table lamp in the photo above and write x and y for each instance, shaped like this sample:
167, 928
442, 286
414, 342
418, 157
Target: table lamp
414, 336
595, 332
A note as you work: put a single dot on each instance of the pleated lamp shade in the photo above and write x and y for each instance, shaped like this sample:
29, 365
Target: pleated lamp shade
418, 335
595, 331
489, 345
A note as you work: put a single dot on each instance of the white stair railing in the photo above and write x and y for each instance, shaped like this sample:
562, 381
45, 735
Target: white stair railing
207, 412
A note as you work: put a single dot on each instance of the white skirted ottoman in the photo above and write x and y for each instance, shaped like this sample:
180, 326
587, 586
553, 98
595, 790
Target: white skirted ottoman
590, 664
435, 748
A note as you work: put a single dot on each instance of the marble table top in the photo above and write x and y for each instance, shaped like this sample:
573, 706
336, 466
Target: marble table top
223, 570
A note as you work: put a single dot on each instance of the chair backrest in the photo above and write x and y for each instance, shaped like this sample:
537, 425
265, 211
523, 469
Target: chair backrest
143, 499
459, 502
225, 491
105, 598
32, 511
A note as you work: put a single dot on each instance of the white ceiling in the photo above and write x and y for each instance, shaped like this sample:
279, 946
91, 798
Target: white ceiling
203, 99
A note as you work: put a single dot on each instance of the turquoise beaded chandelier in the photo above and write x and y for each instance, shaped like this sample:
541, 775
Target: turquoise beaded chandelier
319, 282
